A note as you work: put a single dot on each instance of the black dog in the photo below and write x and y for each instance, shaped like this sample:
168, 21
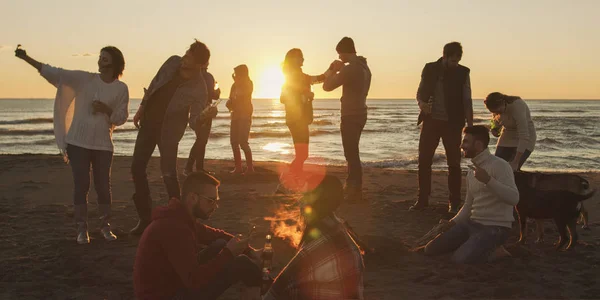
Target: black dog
552, 196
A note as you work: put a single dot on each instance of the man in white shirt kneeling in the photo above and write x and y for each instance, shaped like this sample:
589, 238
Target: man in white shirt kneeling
483, 224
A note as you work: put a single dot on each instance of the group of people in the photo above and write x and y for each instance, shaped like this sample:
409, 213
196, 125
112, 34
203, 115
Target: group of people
179, 257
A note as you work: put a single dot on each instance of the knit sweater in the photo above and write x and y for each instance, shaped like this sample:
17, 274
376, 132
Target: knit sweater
491, 203
75, 122
519, 130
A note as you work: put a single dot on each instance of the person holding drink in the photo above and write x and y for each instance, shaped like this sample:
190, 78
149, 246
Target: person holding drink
87, 108
512, 123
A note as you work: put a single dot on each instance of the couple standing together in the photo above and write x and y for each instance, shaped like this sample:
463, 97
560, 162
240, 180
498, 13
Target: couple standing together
352, 73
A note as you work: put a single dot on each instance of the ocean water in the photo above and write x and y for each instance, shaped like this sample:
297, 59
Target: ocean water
568, 134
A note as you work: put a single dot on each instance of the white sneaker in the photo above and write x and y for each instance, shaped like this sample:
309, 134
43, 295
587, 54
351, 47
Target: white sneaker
107, 234
83, 237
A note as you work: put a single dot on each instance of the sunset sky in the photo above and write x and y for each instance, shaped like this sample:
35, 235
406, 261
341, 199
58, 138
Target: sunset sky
537, 49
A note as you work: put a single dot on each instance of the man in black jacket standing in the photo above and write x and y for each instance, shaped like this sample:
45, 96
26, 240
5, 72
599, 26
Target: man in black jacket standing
444, 98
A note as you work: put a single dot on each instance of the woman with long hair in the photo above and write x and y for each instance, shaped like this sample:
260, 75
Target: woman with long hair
240, 106
297, 96
511, 122
87, 108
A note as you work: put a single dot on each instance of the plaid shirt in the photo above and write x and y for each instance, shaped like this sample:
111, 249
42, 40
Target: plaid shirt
328, 266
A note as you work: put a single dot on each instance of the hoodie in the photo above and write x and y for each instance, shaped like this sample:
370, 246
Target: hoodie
166, 257
355, 79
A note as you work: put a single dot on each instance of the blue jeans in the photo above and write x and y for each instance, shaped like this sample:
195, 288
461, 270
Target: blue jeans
508, 154
471, 242
80, 160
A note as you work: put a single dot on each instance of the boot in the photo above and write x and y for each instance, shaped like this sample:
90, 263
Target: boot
80, 212
144, 209
104, 210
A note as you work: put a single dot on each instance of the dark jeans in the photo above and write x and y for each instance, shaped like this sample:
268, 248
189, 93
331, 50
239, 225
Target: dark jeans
80, 160
471, 242
508, 154
451, 136
240, 269
300, 137
149, 136
239, 134
351, 129
198, 150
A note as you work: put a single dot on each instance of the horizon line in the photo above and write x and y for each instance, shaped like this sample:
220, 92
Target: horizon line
376, 99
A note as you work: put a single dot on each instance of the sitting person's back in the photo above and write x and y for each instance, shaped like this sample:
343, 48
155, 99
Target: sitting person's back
329, 264
178, 256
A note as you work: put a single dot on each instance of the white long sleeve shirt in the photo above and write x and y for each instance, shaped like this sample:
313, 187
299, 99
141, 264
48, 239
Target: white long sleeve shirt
492, 203
75, 122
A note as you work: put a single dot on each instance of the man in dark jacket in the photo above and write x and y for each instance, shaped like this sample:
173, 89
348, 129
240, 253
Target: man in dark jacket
176, 96
355, 79
444, 98
169, 263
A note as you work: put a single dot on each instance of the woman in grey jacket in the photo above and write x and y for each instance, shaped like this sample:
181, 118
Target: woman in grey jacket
511, 122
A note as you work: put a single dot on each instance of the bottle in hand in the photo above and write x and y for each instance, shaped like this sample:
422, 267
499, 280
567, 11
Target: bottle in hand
267, 254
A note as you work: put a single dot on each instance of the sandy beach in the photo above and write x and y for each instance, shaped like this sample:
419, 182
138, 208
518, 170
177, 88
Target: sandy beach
41, 260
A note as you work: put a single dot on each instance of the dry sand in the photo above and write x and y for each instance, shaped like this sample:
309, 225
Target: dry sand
41, 260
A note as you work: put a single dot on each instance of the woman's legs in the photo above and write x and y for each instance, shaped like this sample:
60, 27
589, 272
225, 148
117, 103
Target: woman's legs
101, 166
244, 135
235, 145
80, 160
300, 137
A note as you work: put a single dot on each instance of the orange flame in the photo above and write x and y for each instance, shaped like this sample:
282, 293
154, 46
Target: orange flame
285, 224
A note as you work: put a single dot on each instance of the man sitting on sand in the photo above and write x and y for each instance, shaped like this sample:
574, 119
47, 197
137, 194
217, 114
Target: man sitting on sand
169, 263
329, 264
483, 224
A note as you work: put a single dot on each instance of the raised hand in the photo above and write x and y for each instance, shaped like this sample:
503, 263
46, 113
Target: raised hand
20, 53
101, 107
480, 174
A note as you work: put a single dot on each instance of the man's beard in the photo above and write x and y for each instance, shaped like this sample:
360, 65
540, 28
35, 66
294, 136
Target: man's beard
469, 153
198, 213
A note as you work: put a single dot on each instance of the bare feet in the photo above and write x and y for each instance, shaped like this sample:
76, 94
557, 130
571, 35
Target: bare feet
236, 171
249, 171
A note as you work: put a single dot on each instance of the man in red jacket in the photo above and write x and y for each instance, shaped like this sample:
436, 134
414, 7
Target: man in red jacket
170, 262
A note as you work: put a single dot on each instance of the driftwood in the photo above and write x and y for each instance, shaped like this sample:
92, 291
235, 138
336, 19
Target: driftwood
362, 245
435, 231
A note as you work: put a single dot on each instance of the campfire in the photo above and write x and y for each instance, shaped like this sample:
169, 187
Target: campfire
285, 224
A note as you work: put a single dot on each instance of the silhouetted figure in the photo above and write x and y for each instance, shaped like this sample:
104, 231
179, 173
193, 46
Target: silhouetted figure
198, 150
297, 96
512, 123
87, 108
176, 96
329, 264
444, 97
355, 80
240, 106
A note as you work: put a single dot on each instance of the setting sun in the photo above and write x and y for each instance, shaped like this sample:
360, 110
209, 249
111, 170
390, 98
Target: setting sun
269, 83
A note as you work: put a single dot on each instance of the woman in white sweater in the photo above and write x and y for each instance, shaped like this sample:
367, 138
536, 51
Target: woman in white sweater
88, 106
518, 137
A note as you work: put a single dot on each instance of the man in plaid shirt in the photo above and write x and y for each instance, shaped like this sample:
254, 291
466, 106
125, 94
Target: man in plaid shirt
329, 264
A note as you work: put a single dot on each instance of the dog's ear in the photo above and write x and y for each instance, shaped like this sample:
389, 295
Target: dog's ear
585, 184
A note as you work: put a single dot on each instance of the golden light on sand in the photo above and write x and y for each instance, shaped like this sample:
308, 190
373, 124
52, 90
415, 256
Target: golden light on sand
281, 148
269, 83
